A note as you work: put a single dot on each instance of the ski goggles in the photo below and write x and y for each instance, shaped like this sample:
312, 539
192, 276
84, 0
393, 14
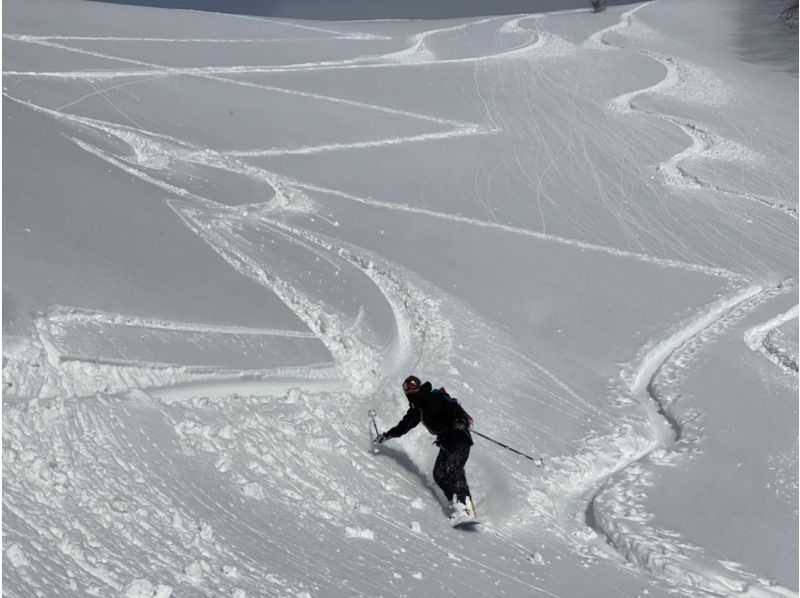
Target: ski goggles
410, 386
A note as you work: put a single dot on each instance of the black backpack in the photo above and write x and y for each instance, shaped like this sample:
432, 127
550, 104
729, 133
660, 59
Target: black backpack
441, 392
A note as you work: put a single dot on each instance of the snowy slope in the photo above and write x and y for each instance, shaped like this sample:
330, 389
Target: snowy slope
227, 237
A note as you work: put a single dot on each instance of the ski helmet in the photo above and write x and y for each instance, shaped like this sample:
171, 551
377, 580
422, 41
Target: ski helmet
411, 384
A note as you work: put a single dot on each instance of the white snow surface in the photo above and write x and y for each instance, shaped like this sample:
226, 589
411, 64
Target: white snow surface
228, 237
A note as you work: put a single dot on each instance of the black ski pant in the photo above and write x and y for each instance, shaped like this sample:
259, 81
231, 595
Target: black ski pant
448, 472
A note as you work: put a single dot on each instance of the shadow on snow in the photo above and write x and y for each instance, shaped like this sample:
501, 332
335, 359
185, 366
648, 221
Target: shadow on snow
406, 463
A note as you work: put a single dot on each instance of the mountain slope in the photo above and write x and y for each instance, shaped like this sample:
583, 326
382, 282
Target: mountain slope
227, 238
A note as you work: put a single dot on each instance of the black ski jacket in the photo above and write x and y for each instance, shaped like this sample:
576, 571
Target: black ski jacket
443, 417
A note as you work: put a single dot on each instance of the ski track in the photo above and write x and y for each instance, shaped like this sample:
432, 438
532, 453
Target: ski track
614, 510
460, 129
222, 160
667, 263
293, 23
306, 150
704, 142
421, 330
43, 370
416, 54
175, 40
149, 142
60, 314
761, 339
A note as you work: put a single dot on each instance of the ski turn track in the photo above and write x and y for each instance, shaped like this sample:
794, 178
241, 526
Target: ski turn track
228, 159
704, 142
614, 511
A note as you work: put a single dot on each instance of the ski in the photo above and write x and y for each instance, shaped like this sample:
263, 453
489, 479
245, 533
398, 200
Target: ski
466, 519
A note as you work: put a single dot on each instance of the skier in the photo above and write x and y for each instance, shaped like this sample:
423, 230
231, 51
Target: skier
446, 419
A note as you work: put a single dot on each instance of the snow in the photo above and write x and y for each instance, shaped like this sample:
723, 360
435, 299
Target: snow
229, 236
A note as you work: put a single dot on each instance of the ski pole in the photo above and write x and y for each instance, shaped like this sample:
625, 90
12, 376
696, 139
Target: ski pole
539, 462
374, 425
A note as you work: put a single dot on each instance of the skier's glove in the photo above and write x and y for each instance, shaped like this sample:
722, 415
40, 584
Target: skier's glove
381, 438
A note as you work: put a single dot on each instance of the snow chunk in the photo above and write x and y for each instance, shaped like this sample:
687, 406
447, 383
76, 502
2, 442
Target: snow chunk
354, 532
293, 396
17, 556
139, 588
253, 490
536, 559
144, 588
119, 505
205, 531
194, 571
